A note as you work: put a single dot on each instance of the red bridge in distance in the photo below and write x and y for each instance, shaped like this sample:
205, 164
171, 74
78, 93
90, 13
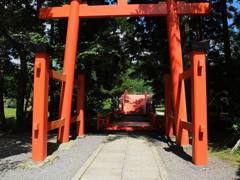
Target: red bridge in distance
135, 103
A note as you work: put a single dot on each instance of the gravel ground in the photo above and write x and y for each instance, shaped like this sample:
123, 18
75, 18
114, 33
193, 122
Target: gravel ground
66, 159
178, 165
15, 158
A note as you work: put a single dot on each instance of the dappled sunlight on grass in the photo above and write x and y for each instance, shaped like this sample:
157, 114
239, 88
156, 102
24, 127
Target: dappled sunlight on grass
10, 112
226, 155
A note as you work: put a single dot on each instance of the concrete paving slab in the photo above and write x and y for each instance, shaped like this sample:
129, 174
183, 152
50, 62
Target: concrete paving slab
107, 165
110, 159
140, 167
102, 171
139, 163
111, 154
133, 178
123, 158
140, 174
93, 177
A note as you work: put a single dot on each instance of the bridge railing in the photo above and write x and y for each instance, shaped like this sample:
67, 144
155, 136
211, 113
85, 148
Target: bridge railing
41, 125
198, 125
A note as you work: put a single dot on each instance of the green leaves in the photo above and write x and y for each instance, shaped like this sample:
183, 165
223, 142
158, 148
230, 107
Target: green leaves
37, 38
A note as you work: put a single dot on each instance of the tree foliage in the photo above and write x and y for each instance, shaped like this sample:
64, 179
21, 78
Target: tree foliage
116, 54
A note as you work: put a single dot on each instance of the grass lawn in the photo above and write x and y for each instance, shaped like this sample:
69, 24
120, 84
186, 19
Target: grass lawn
10, 112
226, 155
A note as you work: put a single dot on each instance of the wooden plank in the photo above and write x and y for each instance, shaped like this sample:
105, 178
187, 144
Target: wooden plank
60, 122
58, 76
184, 8
186, 125
186, 74
171, 117
54, 12
55, 124
122, 9
75, 119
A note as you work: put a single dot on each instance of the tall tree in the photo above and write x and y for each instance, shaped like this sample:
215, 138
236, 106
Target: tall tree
227, 49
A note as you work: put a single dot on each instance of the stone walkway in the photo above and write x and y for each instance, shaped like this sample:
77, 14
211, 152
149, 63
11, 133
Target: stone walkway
123, 158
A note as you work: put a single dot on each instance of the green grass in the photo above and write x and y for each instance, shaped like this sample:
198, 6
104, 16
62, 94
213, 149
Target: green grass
10, 113
160, 109
226, 155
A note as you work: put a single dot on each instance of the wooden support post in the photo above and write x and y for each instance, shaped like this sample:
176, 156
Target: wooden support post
154, 120
108, 116
168, 105
199, 109
80, 105
179, 101
99, 122
69, 65
124, 98
40, 107
145, 102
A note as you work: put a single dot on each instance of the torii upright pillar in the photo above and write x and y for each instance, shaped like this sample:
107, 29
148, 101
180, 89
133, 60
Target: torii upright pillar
175, 50
68, 69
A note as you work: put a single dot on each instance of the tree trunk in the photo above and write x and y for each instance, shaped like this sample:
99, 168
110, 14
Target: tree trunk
227, 49
39, 4
53, 87
21, 92
2, 115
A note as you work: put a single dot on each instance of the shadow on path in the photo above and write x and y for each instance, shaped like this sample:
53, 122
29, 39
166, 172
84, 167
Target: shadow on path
173, 148
13, 145
153, 138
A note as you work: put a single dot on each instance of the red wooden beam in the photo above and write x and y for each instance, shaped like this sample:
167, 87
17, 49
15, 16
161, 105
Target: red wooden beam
68, 69
184, 8
57, 75
54, 12
80, 105
40, 107
186, 74
122, 9
171, 118
55, 124
74, 119
186, 125
199, 109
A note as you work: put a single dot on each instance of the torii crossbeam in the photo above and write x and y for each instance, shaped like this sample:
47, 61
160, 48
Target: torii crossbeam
124, 9
172, 9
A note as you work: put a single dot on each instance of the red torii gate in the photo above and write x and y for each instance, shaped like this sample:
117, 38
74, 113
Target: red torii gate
76, 10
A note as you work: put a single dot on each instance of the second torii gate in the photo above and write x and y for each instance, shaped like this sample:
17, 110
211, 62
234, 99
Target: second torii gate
77, 10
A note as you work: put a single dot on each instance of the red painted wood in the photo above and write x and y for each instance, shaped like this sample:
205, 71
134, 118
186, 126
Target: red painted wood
123, 9
199, 109
130, 126
40, 107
